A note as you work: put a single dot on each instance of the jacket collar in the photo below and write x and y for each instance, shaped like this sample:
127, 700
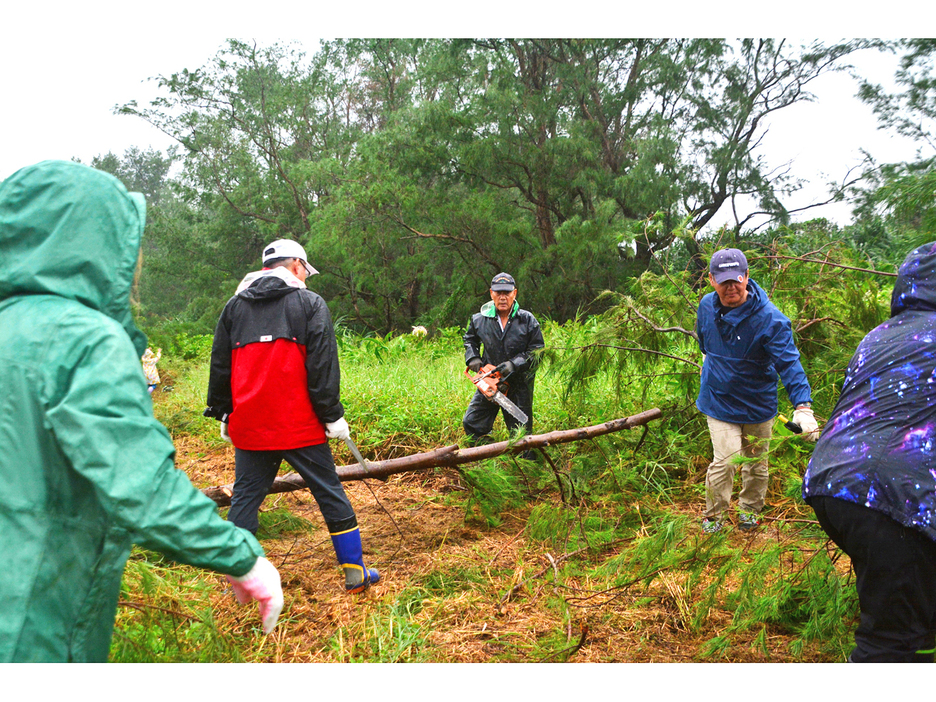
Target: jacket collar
489, 310
278, 272
756, 299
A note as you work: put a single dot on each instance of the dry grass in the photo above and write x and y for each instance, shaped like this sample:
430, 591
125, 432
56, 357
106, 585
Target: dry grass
475, 593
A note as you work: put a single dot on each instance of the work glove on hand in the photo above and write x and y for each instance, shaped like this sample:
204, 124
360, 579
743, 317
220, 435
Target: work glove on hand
224, 432
338, 429
261, 583
803, 416
474, 365
506, 368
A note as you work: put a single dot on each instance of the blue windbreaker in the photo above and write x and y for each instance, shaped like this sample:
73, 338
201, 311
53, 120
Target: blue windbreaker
878, 448
745, 349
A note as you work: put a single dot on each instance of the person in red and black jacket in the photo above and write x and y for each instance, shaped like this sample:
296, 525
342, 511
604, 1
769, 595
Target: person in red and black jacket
274, 385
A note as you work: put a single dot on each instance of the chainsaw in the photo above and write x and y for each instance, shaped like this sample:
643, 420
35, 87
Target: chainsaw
487, 381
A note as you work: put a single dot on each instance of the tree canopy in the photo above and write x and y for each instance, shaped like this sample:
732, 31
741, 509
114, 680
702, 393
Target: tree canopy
906, 191
413, 170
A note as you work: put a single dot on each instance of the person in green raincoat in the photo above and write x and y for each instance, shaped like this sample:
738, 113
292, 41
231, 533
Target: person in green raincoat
85, 469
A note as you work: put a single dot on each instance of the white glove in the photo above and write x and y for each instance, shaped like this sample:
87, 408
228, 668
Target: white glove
262, 583
224, 432
338, 429
803, 416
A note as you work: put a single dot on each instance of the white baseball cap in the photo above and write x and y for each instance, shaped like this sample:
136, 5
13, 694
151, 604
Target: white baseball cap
286, 248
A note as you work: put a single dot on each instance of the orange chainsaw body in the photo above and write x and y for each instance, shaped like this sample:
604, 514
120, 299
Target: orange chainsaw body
487, 380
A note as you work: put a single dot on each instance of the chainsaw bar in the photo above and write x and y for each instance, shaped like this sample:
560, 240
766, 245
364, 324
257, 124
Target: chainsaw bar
486, 382
517, 413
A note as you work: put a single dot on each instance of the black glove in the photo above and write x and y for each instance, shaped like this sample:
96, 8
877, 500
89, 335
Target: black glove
474, 365
216, 413
505, 369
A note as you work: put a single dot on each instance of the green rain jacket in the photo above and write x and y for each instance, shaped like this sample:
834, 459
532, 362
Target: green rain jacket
85, 469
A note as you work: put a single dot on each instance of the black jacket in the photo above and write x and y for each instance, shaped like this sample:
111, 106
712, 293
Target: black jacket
272, 341
521, 337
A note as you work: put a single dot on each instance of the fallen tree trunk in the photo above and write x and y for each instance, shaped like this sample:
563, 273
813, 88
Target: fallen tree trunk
447, 456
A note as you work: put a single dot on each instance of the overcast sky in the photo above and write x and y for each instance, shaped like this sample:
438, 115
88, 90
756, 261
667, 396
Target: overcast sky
65, 67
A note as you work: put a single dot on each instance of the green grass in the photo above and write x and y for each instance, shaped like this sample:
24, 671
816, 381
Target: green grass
165, 615
391, 635
621, 521
280, 522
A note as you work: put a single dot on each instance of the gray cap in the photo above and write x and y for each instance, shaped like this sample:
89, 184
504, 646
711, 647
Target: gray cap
728, 264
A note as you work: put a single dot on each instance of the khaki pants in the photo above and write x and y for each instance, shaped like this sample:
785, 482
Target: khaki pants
730, 440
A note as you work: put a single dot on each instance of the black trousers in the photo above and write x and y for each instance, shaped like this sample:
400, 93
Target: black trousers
255, 471
895, 567
481, 413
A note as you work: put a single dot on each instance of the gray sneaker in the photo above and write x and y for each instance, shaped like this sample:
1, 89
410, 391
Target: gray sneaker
710, 525
747, 521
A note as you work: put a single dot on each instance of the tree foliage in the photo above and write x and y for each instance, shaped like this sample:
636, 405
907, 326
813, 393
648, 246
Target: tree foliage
905, 192
415, 169
811, 272
141, 171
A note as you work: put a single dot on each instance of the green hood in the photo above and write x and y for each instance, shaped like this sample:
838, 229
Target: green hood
489, 310
71, 231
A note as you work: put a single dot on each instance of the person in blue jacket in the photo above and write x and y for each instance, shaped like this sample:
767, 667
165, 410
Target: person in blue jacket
746, 343
872, 476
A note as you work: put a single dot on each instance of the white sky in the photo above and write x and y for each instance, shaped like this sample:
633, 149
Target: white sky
66, 65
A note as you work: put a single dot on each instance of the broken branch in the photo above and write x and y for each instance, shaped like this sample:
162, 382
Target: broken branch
447, 456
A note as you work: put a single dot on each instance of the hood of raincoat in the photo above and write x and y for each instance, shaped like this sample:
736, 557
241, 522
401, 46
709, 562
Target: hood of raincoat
915, 288
72, 231
489, 309
878, 447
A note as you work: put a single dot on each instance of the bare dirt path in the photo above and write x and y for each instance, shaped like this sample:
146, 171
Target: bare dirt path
454, 589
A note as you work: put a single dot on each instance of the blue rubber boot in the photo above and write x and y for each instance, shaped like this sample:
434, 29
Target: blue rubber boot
350, 555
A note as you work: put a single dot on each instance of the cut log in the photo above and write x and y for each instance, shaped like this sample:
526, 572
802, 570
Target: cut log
447, 456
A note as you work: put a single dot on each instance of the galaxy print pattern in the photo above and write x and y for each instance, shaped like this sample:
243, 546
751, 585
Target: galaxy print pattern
878, 448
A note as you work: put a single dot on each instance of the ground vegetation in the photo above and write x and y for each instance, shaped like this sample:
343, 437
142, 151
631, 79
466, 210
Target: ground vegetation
591, 554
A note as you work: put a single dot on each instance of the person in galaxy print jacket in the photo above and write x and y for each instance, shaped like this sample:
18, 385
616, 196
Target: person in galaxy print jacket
872, 475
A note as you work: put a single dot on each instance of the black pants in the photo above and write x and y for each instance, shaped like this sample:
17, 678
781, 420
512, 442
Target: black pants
255, 471
481, 413
895, 567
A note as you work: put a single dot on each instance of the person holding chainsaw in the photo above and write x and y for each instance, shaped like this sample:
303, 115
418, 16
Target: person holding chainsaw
86, 471
274, 385
871, 479
506, 337
746, 343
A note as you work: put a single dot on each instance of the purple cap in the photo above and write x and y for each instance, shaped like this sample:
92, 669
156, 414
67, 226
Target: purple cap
728, 264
